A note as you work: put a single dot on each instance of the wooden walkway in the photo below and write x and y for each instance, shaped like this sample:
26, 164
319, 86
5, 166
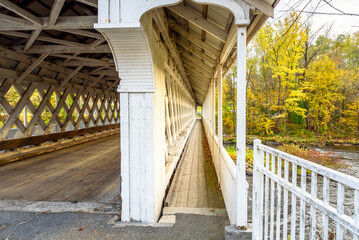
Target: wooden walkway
195, 182
86, 172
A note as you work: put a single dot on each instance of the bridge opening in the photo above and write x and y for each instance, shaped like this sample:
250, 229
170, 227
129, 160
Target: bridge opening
59, 106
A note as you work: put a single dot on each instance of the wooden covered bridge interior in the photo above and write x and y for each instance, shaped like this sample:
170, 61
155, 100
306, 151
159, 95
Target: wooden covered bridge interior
73, 71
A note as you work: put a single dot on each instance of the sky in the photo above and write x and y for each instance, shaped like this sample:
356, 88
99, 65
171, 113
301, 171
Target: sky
341, 24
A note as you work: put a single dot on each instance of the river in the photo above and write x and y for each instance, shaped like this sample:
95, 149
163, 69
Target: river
350, 154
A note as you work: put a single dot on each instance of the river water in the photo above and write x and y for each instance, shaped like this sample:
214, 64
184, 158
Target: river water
350, 154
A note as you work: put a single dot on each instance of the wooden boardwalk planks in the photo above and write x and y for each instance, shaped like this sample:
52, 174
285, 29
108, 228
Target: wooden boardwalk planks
195, 184
86, 172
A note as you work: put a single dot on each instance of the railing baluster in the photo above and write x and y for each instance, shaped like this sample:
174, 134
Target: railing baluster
285, 205
266, 200
313, 211
326, 204
257, 216
275, 181
303, 185
272, 189
294, 203
340, 208
261, 198
279, 198
356, 211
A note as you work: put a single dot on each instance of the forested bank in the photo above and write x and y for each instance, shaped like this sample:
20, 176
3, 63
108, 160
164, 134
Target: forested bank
301, 86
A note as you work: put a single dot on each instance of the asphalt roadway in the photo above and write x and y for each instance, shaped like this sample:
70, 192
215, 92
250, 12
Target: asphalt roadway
29, 225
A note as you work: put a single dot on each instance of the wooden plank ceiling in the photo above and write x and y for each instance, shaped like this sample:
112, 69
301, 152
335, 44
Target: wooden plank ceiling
61, 31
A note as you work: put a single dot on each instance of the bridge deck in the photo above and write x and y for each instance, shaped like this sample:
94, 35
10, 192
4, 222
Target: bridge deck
86, 172
195, 183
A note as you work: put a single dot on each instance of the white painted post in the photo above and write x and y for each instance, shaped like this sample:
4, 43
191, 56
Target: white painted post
125, 158
241, 128
214, 110
356, 211
220, 124
257, 209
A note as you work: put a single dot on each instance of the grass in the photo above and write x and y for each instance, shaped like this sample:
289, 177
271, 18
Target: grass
231, 150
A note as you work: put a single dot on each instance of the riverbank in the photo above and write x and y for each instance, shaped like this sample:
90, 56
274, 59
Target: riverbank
308, 142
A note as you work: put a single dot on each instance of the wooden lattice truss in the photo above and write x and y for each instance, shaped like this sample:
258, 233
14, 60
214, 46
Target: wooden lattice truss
93, 101
58, 66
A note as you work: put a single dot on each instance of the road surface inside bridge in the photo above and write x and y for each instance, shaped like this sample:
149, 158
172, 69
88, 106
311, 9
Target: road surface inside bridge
87, 172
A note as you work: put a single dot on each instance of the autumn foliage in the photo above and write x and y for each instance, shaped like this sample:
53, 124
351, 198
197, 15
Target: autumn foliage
299, 83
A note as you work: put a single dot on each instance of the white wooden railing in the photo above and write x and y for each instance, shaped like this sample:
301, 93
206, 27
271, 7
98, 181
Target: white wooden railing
327, 200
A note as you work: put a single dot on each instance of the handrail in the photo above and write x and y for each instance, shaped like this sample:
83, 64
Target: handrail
274, 186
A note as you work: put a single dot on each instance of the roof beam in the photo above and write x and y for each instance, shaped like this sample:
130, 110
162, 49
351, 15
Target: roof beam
41, 38
195, 40
103, 62
31, 67
69, 77
197, 70
229, 45
262, 6
21, 12
196, 51
197, 19
75, 63
15, 20
32, 39
39, 49
68, 22
92, 3
199, 88
55, 11
84, 33
196, 60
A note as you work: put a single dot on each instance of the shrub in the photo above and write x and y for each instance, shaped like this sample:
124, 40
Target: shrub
327, 159
231, 150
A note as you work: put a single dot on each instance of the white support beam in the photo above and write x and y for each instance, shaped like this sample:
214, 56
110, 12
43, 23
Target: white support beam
55, 11
197, 19
241, 183
21, 12
220, 122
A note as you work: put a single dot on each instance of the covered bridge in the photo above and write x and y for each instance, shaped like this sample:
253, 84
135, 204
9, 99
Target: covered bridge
126, 77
